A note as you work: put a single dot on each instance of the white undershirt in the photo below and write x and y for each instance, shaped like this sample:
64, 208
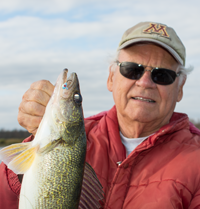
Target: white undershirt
131, 143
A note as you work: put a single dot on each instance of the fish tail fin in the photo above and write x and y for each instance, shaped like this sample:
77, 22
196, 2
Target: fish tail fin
18, 157
92, 191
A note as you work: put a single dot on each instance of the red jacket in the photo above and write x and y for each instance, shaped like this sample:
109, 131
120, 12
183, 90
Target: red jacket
162, 172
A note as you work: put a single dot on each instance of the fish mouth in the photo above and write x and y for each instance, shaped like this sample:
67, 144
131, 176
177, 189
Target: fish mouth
70, 84
70, 80
64, 76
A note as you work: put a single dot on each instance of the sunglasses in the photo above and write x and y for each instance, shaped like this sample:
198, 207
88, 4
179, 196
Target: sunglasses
159, 76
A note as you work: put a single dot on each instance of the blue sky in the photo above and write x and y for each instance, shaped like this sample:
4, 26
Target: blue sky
40, 38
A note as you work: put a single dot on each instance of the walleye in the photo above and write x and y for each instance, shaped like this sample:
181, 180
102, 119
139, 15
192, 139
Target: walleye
54, 164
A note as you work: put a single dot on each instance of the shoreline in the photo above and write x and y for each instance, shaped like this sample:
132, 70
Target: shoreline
6, 142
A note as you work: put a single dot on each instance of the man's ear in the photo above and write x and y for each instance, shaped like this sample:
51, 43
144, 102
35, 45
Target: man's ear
180, 91
110, 80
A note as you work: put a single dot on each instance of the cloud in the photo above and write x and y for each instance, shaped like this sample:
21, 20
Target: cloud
45, 6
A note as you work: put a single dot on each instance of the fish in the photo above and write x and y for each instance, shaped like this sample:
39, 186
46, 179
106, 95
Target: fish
55, 174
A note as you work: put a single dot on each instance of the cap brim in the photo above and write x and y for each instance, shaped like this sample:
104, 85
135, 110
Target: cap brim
167, 47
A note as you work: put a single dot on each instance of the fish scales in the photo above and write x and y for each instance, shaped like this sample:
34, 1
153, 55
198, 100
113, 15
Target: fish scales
62, 185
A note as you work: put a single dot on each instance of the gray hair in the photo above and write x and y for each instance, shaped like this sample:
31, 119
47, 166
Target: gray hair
184, 70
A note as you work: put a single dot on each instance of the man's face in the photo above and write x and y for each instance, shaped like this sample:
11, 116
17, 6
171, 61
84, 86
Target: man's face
126, 90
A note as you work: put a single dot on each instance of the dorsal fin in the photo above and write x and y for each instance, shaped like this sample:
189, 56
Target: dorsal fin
92, 191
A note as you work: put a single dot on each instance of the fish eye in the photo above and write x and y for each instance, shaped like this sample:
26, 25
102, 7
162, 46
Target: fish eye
77, 98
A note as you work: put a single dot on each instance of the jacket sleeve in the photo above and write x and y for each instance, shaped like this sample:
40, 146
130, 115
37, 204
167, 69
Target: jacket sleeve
195, 203
9, 186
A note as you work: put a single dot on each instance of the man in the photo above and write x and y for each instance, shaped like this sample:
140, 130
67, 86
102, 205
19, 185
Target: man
144, 154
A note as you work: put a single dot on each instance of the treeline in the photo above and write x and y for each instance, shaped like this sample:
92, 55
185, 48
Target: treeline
196, 123
13, 134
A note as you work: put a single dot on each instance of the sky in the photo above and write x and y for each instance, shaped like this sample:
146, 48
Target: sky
38, 39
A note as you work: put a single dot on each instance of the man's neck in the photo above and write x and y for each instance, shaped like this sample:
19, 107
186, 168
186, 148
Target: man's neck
135, 129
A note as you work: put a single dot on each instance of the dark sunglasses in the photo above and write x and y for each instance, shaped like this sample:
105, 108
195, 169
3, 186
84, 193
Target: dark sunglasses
159, 76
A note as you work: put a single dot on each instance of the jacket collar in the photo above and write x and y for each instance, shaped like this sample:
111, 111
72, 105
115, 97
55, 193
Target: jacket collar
177, 122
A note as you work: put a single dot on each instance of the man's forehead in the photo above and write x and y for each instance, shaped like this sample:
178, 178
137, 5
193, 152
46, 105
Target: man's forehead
144, 43
142, 53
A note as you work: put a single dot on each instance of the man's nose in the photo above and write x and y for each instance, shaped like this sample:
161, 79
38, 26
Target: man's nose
146, 81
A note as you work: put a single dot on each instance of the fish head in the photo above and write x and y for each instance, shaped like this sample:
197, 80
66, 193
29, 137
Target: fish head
67, 106
70, 99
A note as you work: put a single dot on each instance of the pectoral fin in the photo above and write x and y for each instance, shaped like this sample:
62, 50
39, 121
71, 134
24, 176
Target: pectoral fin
19, 157
92, 190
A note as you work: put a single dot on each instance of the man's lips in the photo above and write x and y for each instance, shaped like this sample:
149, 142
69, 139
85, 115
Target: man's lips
143, 99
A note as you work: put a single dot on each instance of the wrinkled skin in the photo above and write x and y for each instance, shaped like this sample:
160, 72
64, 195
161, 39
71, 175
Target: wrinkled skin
34, 102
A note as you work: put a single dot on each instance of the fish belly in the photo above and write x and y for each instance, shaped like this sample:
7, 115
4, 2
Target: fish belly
54, 179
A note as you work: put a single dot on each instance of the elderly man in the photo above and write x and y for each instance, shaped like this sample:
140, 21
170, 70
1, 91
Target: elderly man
144, 154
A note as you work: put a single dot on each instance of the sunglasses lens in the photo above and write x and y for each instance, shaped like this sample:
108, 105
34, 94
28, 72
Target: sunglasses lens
131, 70
134, 71
163, 76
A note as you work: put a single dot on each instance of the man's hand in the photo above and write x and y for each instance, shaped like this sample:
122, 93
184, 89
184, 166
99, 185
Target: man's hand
34, 102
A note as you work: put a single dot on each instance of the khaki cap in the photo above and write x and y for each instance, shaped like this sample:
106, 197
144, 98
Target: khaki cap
157, 33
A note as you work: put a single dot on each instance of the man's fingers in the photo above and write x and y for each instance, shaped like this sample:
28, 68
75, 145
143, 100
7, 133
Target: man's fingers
34, 102
37, 96
26, 119
32, 108
43, 85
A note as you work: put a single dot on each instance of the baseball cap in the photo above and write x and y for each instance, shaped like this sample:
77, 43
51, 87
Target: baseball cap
157, 33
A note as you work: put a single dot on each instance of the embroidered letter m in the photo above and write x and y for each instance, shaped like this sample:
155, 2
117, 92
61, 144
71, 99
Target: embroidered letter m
158, 29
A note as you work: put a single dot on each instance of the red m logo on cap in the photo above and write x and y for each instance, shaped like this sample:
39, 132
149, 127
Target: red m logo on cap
155, 28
